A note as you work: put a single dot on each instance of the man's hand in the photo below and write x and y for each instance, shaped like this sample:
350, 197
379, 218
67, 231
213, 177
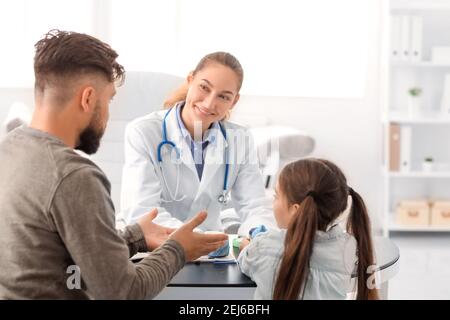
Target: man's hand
196, 244
155, 235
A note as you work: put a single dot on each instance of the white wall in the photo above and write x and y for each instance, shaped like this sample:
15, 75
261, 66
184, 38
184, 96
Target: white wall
347, 131
10, 95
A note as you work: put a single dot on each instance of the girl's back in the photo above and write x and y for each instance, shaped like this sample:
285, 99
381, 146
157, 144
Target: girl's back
312, 257
330, 267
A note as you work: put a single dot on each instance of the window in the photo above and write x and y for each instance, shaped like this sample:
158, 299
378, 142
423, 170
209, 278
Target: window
24, 22
287, 48
144, 33
314, 48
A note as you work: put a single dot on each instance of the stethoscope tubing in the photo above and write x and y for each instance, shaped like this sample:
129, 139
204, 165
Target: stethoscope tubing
223, 198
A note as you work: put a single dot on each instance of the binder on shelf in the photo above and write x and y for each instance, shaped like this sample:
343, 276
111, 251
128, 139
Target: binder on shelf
445, 100
395, 38
405, 148
440, 55
405, 37
416, 38
394, 147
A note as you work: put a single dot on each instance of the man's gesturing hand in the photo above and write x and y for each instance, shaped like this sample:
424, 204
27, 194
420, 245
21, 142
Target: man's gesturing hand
196, 244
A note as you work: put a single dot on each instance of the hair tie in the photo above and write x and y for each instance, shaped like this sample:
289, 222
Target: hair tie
312, 193
351, 191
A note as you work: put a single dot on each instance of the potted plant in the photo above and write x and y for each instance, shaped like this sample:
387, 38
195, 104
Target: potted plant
427, 165
414, 100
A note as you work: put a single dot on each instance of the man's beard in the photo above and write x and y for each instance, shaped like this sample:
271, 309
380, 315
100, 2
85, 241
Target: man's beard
89, 139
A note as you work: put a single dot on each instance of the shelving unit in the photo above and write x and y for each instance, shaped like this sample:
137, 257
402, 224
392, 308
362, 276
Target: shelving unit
427, 23
423, 120
394, 227
422, 5
420, 174
420, 64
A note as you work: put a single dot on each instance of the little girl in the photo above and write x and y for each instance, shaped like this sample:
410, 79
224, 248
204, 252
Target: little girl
311, 256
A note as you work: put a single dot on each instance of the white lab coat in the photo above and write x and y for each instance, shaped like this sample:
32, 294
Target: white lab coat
143, 188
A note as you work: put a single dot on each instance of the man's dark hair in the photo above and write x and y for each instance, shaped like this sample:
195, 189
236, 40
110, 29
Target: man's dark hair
63, 55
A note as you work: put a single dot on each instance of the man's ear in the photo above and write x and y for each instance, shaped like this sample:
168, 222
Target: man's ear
88, 98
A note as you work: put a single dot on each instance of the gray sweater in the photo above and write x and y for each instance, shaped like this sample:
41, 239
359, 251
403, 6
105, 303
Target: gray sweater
57, 218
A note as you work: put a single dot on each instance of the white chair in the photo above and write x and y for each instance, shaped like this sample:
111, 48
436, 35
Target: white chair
18, 114
278, 145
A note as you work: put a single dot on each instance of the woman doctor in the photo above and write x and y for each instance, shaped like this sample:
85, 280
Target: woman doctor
188, 158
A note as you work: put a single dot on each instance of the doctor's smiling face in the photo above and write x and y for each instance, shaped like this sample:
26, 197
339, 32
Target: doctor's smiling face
213, 92
210, 92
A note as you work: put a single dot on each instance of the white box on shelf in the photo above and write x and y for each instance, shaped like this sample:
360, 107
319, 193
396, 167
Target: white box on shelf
405, 148
445, 101
440, 55
405, 50
442, 167
427, 166
395, 38
416, 38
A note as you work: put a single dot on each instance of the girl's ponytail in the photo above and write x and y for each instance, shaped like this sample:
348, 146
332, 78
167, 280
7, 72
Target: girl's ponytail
299, 242
359, 226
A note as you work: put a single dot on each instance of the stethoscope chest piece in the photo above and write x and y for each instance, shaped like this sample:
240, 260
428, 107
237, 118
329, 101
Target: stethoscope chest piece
223, 198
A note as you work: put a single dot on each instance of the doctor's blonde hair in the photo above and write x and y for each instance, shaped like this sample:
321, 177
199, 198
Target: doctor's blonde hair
224, 58
320, 188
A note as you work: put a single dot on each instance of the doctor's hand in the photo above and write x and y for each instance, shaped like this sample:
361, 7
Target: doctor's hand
155, 235
196, 244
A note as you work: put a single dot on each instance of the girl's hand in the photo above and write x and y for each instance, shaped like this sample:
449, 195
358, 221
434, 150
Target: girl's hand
244, 242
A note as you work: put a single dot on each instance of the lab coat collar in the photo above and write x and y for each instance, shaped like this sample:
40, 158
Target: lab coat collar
174, 134
210, 133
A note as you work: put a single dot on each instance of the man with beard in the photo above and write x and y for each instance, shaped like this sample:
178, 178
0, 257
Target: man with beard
57, 233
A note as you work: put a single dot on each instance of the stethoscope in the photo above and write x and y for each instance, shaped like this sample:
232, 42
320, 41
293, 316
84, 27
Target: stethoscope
223, 198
